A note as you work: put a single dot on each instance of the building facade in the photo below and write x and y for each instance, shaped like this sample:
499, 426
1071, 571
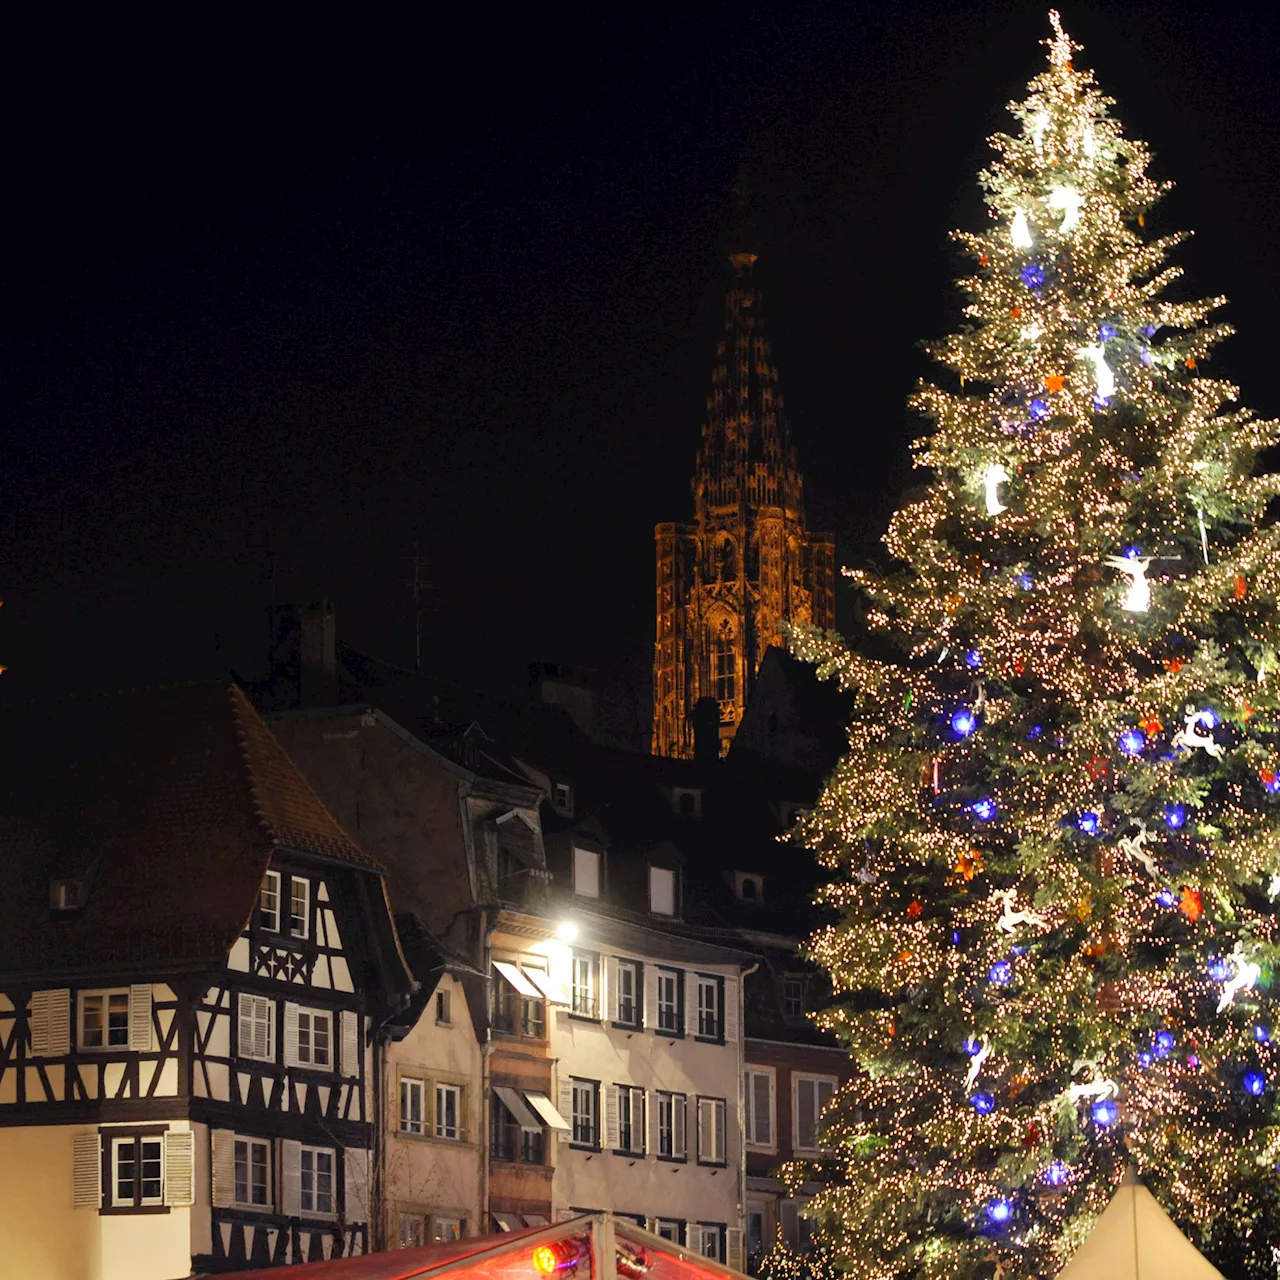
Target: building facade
193, 955
748, 564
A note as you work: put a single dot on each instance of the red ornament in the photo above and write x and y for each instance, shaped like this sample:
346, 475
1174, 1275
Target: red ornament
1019, 667
1247, 712
915, 910
1015, 312
1191, 362
983, 260
1098, 767
1032, 1136
1151, 724
1268, 776
1055, 382
1240, 586
1173, 665
1190, 903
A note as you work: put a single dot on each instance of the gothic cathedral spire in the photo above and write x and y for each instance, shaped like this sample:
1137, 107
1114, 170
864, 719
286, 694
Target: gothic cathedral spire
747, 565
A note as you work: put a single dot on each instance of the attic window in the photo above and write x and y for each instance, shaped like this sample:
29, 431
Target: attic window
562, 799
687, 801
67, 895
750, 887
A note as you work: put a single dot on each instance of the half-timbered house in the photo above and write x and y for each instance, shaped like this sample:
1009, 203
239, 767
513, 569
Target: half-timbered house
194, 961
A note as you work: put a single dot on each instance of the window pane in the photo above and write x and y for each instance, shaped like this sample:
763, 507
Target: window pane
242, 1172
308, 1180
586, 872
269, 903
152, 1167
126, 1170
118, 1019
324, 1182
320, 1030
299, 898
412, 1230
662, 891
92, 1022
304, 1037
259, 1172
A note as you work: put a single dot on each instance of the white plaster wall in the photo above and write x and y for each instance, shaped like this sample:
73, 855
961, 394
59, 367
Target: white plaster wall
426, 1174
43, 1238
599, 1051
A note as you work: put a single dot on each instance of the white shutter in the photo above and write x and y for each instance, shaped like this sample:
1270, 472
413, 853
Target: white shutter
222, 1159
355, 1165
350, 1043
825, 1092
679, 1111
611, 987
179, 1164
291, 1035
719, 1113
611, 1117
86, 1169
655, 1121
290, 1177
650, 996
731, 1011
760, 1108
706, 1129
687, 983
565, 1215
733, 1249
140, 1017
50, 1023
566, 1107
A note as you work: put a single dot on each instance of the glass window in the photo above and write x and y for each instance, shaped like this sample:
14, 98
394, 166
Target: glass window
813, 1094
104, 1020
299, 906
631, 1119
446, 1229
317, 1180
137, 1171
671, 1229
509, 1141
586, 1113
725, 665
315, 1038
793, 997
662, 891
670, 1001
755, 1229
711, 1131
708, 1240
628, 1002
269, 903
671, 1118
412, 1096
586, 873
710, 1021
449, 1111
413, 1230
442, 1008
252, 1174
584, 984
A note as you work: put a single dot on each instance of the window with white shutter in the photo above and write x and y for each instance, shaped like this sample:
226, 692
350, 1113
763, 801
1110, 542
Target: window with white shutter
729, 994
735, 1257
758, 1097
290, 1177
222, 1144
50, 1023
351, 1042
812, 1094
140, 1017
355, 1166
256, 1027
611, 1117
86, 1171
566, 1106
179, 1166
290, 1035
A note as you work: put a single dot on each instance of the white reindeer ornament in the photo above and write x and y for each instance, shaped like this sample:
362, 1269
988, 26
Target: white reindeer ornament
975, 1065
1132, 847
1245, 978
1097, 1087
1011, 918
1197, 732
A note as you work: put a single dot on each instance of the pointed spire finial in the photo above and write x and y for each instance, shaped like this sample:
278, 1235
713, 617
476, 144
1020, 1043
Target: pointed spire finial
1062, 45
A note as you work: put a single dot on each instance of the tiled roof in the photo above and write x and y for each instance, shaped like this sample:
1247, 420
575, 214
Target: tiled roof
170, 801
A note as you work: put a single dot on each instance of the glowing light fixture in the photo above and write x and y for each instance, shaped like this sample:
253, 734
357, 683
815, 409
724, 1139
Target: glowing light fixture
1175, 817
1255, 1083
566, 931
1132, 741
1019, 232
999, 1211
1105, 1112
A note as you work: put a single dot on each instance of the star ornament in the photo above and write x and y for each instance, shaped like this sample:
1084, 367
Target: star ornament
1151, 724
968, 864
1098, 767
1190, 903
1055, 382
915, 910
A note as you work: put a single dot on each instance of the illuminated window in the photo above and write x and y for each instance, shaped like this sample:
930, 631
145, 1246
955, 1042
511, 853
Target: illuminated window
446, 1229
725, 665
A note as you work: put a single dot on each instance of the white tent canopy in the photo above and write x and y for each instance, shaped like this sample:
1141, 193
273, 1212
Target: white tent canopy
1136, 1240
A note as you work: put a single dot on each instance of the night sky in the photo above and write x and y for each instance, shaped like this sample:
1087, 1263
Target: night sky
300, 289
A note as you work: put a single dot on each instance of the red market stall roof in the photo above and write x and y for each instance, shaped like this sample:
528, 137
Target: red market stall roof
609, 1249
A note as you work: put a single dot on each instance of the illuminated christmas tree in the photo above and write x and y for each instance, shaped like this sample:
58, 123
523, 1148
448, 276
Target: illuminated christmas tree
1056, 839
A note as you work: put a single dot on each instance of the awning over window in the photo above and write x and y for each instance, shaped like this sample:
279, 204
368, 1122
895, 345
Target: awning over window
507, 1222
521, 1114
546, 1109
535, 1220
548, 986
517, 979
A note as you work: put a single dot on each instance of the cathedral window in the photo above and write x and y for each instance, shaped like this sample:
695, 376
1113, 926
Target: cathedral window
725, 665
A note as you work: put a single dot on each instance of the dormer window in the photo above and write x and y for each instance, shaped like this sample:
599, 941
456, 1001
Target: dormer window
748, 886
687, 801
269, 903
562, 799
662, 891
586, 872
66, 895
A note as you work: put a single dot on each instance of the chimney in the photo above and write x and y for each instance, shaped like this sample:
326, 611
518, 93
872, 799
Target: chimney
319, 654
706, 731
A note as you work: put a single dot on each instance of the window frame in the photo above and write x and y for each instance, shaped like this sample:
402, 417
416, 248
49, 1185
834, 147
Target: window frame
250, 1144
445, 1088
305, 1150
588, 1005
677, 1225
589, 1089
634, 1095
676, 975
104, 995
509, 1143
636, 969
750, 1128
668, 1098
269, 878
717, 1234
135, 1138
312, 1015
443, 1018
412, 1217
713, 982
408, 1086
437, 1219
793, 982
817, 1078
294, 883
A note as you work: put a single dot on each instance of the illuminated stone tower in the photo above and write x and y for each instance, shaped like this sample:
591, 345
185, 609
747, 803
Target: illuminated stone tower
728, 582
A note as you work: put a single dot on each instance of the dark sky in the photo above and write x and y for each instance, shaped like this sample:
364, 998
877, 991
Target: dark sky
323, 283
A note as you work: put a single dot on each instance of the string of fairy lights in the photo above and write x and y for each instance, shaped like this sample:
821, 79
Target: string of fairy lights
1055, 842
